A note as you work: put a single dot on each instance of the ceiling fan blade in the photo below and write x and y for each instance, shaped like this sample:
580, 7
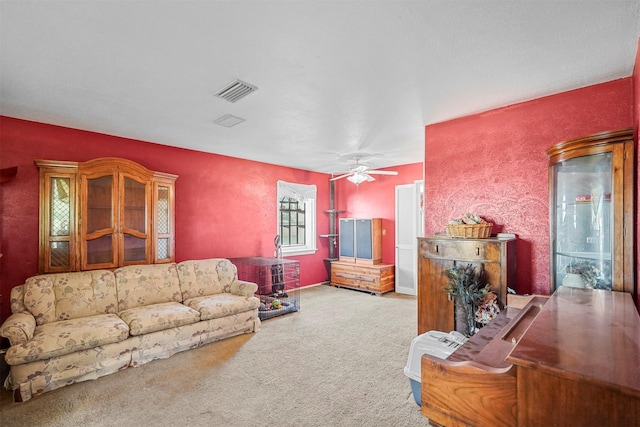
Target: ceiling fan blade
369, 177
340, 176
376, 172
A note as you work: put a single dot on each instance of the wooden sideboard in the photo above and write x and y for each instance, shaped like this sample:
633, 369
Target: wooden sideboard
376, 278
572, 359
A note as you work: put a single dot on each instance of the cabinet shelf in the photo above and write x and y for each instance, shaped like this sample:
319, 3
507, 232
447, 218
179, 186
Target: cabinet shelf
606, 256
587, 204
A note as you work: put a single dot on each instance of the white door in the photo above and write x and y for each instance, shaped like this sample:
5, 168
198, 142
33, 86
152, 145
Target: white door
409, 220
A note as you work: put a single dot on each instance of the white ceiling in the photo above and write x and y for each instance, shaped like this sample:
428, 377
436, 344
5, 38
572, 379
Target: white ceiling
335, 78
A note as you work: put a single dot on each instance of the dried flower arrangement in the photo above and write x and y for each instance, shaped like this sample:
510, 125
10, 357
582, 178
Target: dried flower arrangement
469, 219
590, 273
471, 292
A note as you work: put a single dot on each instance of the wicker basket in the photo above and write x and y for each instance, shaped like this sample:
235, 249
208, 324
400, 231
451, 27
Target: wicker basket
469, 231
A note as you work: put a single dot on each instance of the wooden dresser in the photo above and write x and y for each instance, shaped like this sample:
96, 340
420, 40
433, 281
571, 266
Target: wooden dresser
376, 278
571, 360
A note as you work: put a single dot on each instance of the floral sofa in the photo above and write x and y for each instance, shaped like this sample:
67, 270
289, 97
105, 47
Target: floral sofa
72, 327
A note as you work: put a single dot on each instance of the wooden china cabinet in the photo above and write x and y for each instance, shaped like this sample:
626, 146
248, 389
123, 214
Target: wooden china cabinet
104, 213
591, 202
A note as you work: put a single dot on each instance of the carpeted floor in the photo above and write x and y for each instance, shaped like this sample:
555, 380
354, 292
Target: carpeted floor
337, 362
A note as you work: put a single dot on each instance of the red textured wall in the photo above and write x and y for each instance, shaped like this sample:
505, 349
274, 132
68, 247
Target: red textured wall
225, 207
377, 200
494, 164
636, 122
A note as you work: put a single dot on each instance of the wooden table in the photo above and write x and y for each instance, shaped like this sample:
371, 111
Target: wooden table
579, 362
571, 360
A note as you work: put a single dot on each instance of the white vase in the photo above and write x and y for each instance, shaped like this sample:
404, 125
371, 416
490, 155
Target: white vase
573, 280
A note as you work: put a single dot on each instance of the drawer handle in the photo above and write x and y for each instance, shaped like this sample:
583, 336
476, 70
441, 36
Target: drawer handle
478, 250
437, 249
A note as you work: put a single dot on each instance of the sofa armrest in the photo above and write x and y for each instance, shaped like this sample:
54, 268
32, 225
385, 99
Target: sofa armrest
243, 288
18, 328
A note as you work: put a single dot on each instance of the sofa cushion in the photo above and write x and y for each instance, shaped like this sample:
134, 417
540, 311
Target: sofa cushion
157, 317
221, 305
64, 296
17, 299
200, 277
227, 273
140, 285
67, 336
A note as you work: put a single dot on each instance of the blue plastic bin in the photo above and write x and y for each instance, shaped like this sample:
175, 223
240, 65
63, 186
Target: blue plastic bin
433, 343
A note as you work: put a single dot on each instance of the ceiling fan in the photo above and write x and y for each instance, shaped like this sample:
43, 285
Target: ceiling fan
360, 173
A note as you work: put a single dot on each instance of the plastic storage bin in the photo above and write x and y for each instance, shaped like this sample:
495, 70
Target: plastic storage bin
435, 343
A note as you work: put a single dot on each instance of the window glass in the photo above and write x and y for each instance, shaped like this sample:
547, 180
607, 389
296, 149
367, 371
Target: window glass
296, 218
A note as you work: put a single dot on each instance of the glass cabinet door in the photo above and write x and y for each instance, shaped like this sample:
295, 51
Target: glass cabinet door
58, 218
99, 223
134, 220
591, 198
163, 202
583, 222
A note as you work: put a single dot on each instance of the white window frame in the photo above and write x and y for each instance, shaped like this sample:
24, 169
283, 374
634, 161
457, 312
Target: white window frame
305, 194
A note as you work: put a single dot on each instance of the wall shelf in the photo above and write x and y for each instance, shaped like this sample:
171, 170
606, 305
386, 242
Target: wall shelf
8, 173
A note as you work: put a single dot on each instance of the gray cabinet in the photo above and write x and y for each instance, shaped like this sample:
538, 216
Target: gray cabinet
361, 240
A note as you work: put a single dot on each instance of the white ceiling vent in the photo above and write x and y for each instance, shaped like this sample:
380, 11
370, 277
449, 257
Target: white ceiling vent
228, 120
235, 90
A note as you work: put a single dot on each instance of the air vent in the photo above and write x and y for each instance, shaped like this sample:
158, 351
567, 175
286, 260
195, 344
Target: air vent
235, 91
228, 120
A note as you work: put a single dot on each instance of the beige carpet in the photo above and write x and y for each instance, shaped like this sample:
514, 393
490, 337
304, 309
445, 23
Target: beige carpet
337, 362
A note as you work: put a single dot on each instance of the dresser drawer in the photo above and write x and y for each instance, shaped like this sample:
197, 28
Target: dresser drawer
458, 249
351, 274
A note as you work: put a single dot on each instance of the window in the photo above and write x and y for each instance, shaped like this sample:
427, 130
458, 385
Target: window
296, 218
292, 215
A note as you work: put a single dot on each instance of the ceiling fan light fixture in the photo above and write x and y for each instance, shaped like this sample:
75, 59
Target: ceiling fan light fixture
360, 173
357, 178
